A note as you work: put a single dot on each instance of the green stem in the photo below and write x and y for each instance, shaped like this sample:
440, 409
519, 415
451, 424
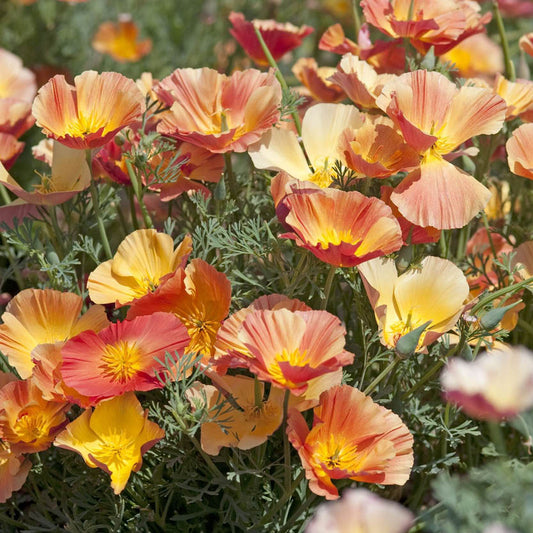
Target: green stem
286, 443
5, 195
327, 286
385, 372
230, 176
13, 262
133, 211
489, 234
509, 66
96, 208
496, 436
356, 18
135, 183
280, 78
501, 292
58, 233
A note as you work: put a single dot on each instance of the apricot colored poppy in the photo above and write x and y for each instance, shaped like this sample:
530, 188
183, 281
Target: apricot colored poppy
290, 348
435, 118
37, 316
280, 38
126, 356
351, 437
316, 80
28, 422
17, 81
520, 151
121, 40
340, 228
435, 292
15, 116
89, 113
14, 469
217, 112
113, 437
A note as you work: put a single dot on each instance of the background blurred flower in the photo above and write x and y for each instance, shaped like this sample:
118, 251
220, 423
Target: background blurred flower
120, 40
15, 80
14, 469
520, 151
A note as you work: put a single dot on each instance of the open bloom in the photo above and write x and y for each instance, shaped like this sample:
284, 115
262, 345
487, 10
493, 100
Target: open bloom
218, 112
245, 422
14, 469
497, 384
290, 348
143, 261
70, 174
352, 437
361, 511
28, 422
17, 81
322, 127
439, 23
90, 113
435, 118
520, 151
280, 38
120, 40
340, 228
126, 356
113, 437
199, 296
37, 316
435, 292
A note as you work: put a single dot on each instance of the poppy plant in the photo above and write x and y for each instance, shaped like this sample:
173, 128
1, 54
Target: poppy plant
351, 437
89, 113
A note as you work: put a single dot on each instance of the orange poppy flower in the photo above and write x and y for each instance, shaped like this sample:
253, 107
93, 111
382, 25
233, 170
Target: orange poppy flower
279, 38
518, 96
218, 112
120, 40
245, 422
352, 437
520, 151
14, 470
126, 356
435, 118
340, 228
439, 23
90, 113
28, 422
317, 80
17, 81
290, 348
200, 299
114, 436
36, 317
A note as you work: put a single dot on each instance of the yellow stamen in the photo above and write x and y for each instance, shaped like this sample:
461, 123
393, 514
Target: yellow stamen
121, 361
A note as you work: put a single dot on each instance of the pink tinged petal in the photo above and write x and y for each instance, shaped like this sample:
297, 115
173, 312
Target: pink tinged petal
520, 151
440, 195
524, 259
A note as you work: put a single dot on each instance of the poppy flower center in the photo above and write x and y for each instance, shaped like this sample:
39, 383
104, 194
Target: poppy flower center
121, 361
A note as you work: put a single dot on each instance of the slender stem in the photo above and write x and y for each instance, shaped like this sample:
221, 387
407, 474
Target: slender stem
5, 195
286, 444
133, 211
489, 234
385, 372
57, 230
496, 436
139, 194
230, 176
356, 18
279, 76
327, 286
96, 208
509, 66
13, 262
501, 292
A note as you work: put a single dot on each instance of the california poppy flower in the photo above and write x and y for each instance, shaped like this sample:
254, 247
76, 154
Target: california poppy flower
280, 38
113, 437
434, 292
520, 151
316, 80
17, 81
14, 469
352, 437
218, 112
120, 40
90, 112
